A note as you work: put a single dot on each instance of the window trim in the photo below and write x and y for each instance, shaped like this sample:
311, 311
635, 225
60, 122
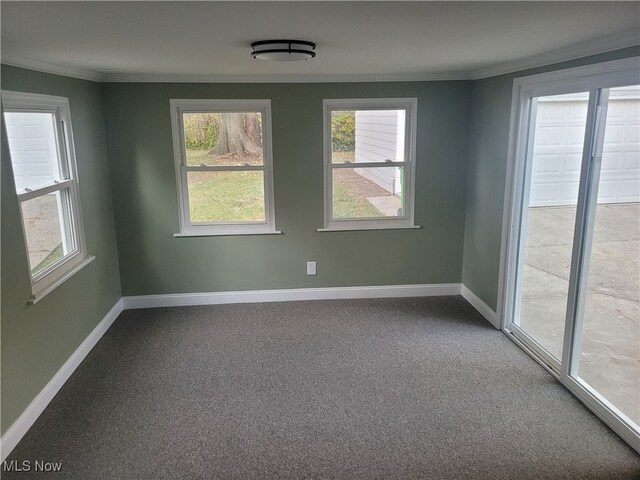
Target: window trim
188, 229
410, 105
58, 272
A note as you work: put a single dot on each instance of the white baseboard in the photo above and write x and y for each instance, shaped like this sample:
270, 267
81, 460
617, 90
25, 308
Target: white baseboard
286, 295
325, 293
15, 433
485, 310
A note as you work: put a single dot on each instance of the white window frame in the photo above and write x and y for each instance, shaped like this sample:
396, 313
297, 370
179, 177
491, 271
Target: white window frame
55, 274
188, 229
410, 106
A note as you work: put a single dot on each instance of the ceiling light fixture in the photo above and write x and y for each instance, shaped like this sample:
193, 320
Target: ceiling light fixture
283, 50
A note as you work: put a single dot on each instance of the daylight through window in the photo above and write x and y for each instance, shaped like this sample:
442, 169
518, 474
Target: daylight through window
223, 164
43, 163
369, 163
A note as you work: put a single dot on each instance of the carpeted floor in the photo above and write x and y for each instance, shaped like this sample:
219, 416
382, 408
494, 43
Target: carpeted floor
368, 389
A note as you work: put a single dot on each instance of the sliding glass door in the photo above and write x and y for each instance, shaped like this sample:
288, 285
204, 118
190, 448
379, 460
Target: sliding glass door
571, 275
548, 218
607, 345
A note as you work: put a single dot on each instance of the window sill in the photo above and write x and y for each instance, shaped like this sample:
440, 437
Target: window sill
226, 234
352, 228
40, 294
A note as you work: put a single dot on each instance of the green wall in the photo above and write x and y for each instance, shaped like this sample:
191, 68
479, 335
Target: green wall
152, 261
487, 162
38, 339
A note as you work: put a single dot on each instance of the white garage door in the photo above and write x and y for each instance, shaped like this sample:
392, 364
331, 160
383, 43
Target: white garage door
558, 153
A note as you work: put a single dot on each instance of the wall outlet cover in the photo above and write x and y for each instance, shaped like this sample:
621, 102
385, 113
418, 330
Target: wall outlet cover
311, 268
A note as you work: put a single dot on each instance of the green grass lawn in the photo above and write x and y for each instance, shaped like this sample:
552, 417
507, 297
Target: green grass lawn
226, 197
203, 157
346, 205
198, 157
339, 157
239, 196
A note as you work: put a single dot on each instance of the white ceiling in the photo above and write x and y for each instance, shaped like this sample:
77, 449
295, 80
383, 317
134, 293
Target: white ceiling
390, 40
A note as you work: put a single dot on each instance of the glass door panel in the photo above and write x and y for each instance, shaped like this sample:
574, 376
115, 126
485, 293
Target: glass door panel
548, 219
572, 264
608, 330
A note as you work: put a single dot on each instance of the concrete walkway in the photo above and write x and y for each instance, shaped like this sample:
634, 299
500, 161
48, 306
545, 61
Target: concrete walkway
610, 353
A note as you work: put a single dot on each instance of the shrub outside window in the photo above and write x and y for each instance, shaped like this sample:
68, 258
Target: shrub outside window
222, 151
369, 161
41, 148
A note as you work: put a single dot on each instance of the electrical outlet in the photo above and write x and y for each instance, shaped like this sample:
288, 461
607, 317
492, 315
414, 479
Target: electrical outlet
311, 268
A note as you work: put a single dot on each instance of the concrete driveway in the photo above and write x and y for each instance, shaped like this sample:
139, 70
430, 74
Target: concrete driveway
610, 352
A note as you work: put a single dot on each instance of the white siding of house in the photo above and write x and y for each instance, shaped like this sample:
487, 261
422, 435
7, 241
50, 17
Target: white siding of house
380, 137
559, 138
34, 155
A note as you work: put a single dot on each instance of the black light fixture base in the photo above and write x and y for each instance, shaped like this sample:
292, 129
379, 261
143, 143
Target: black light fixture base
283, 50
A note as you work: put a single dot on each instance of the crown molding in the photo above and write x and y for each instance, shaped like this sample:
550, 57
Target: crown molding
188, 78
629, 38
609, 43
16, 59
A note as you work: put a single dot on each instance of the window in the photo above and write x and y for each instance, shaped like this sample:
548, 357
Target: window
369, 163
44, 170
222, 151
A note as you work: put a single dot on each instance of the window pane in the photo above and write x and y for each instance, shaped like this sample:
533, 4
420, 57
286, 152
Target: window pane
367, 136
226, 197
223, 138
556, 164
609, 358
368, 192
33, 148
45, 219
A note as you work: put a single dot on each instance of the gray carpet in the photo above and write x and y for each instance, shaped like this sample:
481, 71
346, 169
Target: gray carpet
369, 389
